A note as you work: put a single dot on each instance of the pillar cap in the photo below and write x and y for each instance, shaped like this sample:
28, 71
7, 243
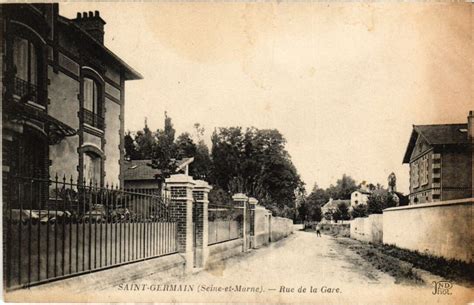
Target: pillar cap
240, 197
253, 200
201, 184
180, 179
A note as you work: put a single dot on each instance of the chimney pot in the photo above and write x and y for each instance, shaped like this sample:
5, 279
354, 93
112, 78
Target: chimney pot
92, 24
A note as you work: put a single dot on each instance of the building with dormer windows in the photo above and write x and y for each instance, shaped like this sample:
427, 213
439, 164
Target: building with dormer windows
441, 161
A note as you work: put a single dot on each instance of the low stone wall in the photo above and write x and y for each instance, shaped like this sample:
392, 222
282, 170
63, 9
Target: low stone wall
262, 227
281, 228
160, 269
336, 229
223, 251
368, 229
441, 229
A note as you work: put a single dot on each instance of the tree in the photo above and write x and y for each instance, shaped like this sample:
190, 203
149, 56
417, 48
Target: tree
219, 196
310, 212
318, 197
145, 143
343, 188
201, 168
164, 152
379, 200
131, 151
342, 212
359, 210
255, 162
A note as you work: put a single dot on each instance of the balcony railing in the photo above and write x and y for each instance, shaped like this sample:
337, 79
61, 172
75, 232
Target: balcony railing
93, 119
33, 93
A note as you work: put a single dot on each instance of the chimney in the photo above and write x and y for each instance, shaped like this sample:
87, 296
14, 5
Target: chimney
470, 126
92, 23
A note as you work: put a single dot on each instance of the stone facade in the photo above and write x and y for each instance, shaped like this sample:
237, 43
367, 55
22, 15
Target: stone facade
441, 162
63, 92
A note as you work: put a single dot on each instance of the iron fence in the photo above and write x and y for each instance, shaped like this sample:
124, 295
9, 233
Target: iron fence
58, 228
225, 223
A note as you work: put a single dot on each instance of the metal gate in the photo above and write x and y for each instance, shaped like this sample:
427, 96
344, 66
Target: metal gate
80, 228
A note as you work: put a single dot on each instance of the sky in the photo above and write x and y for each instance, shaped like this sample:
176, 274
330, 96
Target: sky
343, 82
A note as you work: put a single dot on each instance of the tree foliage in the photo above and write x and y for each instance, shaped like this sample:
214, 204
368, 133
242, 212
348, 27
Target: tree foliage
379, 200
359, 210
341, 212
255, 162
343, 188
249, 161
164, 150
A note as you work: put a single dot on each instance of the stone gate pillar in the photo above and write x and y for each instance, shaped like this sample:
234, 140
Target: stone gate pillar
201, 224
181, 189
252, 204
240, 202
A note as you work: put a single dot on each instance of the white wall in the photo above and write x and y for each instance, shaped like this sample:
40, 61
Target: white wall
368, 229
281, 228
441, 229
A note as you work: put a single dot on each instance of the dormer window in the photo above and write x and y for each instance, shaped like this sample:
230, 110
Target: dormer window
92, 103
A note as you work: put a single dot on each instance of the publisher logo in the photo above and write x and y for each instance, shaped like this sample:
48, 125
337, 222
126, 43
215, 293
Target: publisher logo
442, 287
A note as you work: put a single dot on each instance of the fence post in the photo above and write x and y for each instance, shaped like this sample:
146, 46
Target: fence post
181, 189
252, 203
200, 194
240, 201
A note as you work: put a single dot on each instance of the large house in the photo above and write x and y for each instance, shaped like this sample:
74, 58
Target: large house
441, 161
62, 97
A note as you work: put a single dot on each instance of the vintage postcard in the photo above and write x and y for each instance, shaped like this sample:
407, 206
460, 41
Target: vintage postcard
273, 152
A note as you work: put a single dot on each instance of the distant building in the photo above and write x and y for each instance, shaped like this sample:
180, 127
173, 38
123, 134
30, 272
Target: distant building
359, 197
441, 161
330, 207
139, 175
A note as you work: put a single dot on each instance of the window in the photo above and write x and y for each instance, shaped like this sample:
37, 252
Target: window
25, 63
424, 170
415, 174
92, 168
92, 103
91, 96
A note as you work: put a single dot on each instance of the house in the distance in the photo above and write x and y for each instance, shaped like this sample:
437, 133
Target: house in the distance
441, 161
140, 176
328, 209
359, 197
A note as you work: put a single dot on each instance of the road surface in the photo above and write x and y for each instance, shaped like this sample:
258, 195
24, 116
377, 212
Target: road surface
302, 268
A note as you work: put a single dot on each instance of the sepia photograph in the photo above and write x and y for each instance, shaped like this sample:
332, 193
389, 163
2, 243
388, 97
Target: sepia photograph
262, 152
